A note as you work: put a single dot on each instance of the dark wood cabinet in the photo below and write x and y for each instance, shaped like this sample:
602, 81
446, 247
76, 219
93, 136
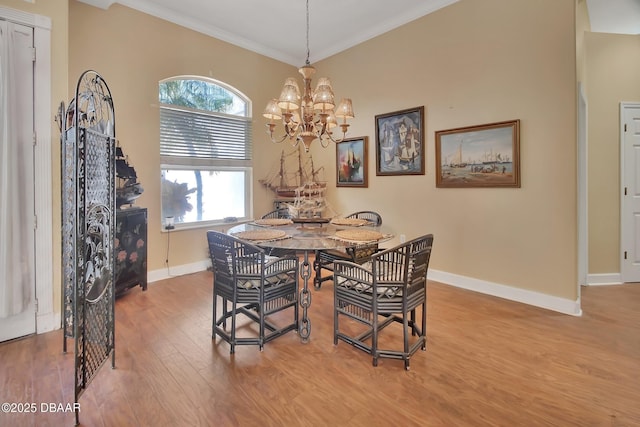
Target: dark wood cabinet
131, 249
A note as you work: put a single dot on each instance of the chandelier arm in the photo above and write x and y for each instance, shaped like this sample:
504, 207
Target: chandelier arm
278, 141
337, 141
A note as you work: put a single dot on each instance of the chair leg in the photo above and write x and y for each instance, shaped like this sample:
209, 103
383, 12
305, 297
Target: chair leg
424, 326
335, 319
224, 312
262, 328
413, 322
317, 283
213, 322
405, 324
233, 327
374, 338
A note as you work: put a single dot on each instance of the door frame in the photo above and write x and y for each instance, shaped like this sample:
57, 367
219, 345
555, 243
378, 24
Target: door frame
623, 107
47, 319
583, 186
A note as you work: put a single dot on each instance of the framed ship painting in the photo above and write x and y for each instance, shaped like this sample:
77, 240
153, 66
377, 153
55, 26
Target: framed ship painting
400, 144
479, 156
351, 162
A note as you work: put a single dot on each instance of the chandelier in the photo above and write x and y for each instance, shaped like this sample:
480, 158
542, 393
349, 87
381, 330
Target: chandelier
311, 116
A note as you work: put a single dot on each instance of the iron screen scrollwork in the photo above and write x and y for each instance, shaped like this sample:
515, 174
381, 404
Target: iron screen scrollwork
87, 128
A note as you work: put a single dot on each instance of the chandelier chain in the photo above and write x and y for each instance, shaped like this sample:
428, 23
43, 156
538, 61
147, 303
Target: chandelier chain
307, 63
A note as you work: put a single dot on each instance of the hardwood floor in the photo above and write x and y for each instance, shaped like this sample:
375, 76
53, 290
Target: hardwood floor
489, 362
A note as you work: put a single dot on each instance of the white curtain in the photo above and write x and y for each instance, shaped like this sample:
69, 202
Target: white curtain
16, 222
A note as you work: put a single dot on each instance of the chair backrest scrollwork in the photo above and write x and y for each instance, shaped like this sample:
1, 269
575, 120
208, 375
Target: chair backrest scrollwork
402, 269
371, 216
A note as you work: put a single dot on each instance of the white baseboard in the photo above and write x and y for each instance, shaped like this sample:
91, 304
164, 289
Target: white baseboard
537, 299
52, 321
48, 322
604, 279
178, 270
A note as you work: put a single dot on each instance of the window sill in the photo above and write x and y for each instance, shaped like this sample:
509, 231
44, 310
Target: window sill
205, 225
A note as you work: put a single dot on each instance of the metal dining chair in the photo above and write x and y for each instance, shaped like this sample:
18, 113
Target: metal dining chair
324, 259
281, 213
277, 213
247, 283
390, 289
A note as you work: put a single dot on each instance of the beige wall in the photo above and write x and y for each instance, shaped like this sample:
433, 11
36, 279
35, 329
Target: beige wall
133, 52
612, 74
57, 11
470, 63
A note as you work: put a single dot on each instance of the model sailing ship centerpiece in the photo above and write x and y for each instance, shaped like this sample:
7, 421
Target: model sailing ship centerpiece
310, 201
299, 183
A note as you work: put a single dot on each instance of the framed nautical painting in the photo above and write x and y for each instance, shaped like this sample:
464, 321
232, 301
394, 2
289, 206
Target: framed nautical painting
400, 143
479, 156
351, 162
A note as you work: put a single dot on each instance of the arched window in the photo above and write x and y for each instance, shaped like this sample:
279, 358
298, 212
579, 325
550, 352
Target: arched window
205, 151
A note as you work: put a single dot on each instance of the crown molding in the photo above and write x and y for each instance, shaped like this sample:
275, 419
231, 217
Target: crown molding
102, 4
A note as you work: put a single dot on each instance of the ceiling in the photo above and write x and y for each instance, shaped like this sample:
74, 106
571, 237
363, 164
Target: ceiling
277, 28
614, 16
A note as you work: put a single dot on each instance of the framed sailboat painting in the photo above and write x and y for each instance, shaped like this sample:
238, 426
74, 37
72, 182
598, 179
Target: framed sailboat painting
400, 144
351, 162
479, 156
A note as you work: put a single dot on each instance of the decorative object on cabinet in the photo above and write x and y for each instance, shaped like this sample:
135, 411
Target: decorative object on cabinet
351, 162
479, 156
128, 189
400, 144
131, 249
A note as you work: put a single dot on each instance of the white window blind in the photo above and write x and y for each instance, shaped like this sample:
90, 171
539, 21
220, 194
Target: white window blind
188, 134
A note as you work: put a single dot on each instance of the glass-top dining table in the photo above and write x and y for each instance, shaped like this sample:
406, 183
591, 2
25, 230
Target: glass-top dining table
308, 236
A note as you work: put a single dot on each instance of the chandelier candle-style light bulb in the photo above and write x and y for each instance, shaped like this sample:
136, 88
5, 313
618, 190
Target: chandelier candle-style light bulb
309, 116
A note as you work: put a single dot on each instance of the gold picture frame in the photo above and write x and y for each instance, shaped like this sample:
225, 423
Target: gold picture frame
479, 156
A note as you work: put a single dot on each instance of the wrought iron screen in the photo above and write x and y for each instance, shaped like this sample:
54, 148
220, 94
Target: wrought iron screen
88, 226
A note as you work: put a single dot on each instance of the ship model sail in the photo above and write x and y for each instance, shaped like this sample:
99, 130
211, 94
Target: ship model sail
290, 178
303, 186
